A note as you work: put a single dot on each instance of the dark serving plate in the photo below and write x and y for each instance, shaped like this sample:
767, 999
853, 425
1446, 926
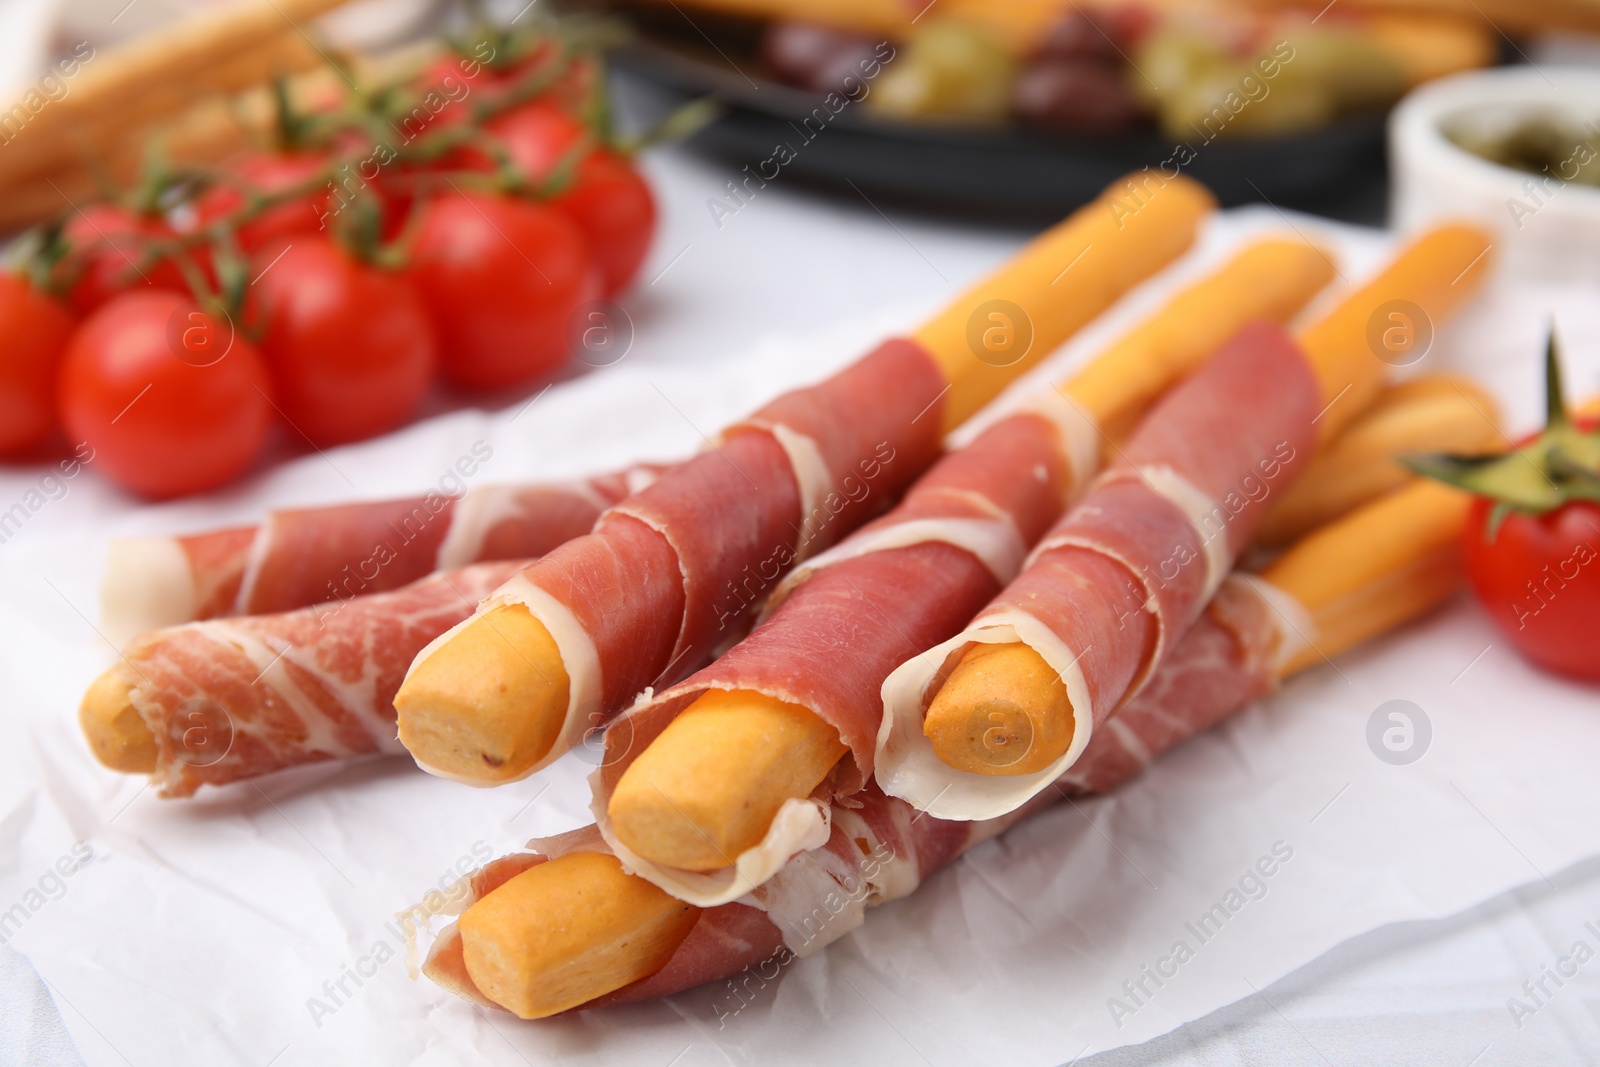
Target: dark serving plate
1006, 171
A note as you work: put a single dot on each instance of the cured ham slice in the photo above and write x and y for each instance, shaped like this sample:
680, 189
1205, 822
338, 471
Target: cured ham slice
880, 849
532, 943
674, 570
713, 784
1232, 656
230, 699
842, 621
302, 556
1114, 586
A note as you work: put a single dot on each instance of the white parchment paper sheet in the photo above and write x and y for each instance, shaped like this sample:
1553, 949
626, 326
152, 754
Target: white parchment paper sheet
251, 926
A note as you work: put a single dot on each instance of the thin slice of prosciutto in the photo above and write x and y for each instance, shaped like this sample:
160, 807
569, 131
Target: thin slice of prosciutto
843, 620
881, 849
673, 571
1113, 587
301, 556
230, 699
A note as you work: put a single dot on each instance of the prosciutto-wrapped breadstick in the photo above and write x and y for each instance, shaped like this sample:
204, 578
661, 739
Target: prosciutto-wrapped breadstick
302, 556
190, 693
671, 572
223, 700
567, 927
1430, 278
980, 724
1362, 463
710, 786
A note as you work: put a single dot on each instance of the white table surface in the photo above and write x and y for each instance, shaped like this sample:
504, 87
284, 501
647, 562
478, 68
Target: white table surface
791, 263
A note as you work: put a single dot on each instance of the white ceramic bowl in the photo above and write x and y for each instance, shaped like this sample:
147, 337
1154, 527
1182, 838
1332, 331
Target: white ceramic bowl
1544, 227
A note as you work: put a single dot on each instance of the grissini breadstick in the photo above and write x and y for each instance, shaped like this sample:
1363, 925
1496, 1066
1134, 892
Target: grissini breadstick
1373, 569
523, 946
1353, 347
208, 703
44, 174
211, 122
644, 928
296, 557
99, 111
196, 43
160, 75
1100, 605
1267, 280
1432, 413
714, 782
671, 571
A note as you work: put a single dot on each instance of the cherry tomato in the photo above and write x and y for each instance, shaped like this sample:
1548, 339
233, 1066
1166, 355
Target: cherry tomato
440, 98
267, 173
33, 332
536, 136
171, 401
366, 169
613, 206
500, 277
350, 347
485, 71
606, 198
577, 86
1539, 578
113, 242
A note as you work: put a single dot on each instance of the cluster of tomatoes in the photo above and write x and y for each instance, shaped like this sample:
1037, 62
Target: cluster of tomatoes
452, 226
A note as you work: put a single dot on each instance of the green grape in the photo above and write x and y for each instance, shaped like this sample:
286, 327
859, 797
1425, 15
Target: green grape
1352, 70
1238, 101
1170, 61
948, 69
1286, 108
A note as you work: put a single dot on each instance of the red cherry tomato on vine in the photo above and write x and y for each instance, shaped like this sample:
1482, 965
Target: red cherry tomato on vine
487, 72
350, 347
267, 173
33, 333
535, 136
443, 73
168, 398
612, 205
501, 278
577, 87
606, 197
113, 243
1539, 579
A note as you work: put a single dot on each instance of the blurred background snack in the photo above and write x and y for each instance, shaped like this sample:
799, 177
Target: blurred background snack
1025, 109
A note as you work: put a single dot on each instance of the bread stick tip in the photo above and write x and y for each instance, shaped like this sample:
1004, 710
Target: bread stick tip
1003, 711
569, 930
489, 703
116, 732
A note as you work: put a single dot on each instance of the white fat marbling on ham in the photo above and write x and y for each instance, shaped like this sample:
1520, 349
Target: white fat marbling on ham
1110, 591
230, 699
